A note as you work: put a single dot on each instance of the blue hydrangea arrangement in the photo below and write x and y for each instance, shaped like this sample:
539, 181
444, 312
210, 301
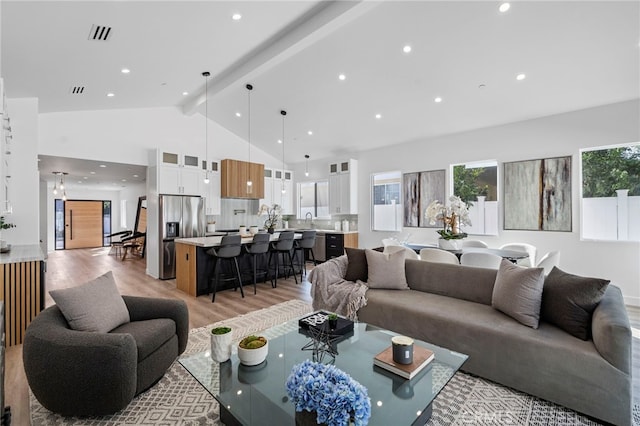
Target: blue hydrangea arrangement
329, 391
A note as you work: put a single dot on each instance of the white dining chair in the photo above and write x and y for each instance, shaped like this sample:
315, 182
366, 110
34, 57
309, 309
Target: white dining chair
481, 260
390, 242
437, 255
408, 253
548, 261
531, 250
474, 243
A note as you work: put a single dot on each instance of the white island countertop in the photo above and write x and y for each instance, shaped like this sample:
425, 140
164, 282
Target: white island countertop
215, 241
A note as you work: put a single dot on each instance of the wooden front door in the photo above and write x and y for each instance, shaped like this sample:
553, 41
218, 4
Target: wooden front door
82, 224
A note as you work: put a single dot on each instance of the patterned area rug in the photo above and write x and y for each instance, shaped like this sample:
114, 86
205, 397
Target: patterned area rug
179, 400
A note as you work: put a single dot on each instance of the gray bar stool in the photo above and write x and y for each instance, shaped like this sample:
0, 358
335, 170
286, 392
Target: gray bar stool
258, 247
229, 250
283, 247
305, 245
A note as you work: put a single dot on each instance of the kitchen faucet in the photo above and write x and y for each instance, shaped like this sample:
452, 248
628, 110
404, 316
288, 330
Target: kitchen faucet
309, 216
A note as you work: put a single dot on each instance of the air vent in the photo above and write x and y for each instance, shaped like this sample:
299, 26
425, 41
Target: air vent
99, 33
76, 90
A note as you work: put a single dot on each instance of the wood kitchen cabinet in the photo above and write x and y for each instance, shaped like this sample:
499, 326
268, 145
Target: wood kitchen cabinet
234, 179
186, 270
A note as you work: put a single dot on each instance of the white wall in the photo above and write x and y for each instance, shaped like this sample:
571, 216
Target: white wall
558, 135
127, 135
23, 166
131, 196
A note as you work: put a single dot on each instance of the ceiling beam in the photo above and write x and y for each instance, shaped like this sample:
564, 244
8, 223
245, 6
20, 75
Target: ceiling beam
318, 22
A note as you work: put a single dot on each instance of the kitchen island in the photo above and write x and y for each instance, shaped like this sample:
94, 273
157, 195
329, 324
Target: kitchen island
194, 267
22, 273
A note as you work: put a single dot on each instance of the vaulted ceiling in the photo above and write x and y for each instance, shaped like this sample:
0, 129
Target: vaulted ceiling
573, 55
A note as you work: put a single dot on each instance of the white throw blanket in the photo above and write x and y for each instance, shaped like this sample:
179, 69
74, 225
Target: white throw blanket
331, 292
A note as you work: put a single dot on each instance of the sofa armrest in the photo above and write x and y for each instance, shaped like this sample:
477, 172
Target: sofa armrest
329, 272
611, 330
70, 371
146, 308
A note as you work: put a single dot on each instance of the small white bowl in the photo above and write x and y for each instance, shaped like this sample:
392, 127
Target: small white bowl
253, 356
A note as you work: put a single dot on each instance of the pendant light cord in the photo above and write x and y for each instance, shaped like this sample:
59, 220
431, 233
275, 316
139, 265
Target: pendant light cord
206, 126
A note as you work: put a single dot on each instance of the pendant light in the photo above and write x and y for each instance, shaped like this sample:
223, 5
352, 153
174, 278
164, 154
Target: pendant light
206, 75
58, 184
249, 182
306, 166
283, 188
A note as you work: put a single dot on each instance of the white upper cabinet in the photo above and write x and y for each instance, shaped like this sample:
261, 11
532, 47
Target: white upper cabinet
343, 187
274, 180
178, 173
211, 190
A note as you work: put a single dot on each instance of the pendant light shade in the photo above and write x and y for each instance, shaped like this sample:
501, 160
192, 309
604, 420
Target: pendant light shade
206, 75
58, 184
249, 182
283, 188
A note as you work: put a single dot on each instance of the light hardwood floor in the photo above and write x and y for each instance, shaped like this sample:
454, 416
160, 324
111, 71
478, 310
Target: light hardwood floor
70, 268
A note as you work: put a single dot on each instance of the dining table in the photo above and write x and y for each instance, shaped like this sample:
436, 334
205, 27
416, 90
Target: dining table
511, 255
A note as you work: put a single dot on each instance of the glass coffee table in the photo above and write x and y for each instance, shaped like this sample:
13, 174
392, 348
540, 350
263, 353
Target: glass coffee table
257, 395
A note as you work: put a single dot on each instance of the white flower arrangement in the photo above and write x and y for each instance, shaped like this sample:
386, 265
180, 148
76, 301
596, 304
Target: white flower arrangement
273, 215
452, 217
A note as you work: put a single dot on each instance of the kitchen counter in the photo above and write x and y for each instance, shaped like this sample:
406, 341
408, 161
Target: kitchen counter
22, 253
215, 241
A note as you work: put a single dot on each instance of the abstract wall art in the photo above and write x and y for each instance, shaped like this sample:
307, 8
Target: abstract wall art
419, 190
537, 195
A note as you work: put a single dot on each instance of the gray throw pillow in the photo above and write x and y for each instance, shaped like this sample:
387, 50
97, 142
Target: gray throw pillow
518, 292
386, 270
568, 301
357, 268
94, 306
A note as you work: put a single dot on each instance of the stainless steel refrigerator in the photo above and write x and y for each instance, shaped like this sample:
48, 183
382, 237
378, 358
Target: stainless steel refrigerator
180, 217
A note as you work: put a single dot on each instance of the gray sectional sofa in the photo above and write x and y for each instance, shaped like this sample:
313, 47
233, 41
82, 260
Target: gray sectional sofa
451, 306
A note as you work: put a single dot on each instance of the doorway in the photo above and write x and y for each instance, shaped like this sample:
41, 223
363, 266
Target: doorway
81, 223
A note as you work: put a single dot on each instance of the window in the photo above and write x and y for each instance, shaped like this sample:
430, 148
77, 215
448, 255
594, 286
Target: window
610, 192
314, 199
477, 184
386, 206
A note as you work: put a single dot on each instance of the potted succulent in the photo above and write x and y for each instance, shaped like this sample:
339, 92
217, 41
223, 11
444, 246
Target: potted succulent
252, 350
333, 321
221, 343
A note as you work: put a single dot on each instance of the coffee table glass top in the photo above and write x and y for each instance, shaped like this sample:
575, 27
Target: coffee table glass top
257, 395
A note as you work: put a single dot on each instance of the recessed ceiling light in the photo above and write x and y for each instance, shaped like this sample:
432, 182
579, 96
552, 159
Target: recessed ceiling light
406, 49
110, 95
125, 70
236, 17
437, 99
310, 133
103, 166
279, 140
238, 114
85, 177
135, 175
378, 116
93, 173
342, 77
185, 93
521, 77
79, 181
504, 7
124, 180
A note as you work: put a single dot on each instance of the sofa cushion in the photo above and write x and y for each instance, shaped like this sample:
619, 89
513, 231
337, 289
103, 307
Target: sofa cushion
94, 306
568, 301
518, 292
462, 282
149, 334
357, 269
386, 270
